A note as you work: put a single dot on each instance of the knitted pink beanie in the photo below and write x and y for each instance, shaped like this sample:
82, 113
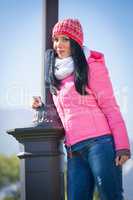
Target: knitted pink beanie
71, 28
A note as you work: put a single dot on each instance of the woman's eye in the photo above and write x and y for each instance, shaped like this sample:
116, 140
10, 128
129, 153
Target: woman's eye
55, 40
66, 39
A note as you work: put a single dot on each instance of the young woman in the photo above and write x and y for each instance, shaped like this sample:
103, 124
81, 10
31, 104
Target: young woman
95, 134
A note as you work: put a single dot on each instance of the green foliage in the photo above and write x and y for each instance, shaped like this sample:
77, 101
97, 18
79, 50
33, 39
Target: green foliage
9, 169
9, 198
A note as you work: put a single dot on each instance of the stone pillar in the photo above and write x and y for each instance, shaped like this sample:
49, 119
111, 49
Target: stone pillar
41, 163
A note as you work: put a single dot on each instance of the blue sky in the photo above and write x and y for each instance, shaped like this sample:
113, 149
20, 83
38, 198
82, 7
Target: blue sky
108, 27
21, 48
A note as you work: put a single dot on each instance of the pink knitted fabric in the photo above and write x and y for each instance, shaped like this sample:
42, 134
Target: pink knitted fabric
71, 28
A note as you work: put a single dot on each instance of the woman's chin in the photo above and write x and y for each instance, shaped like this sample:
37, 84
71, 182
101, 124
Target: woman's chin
61, 56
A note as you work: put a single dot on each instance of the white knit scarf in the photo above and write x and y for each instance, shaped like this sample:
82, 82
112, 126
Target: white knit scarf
65, 67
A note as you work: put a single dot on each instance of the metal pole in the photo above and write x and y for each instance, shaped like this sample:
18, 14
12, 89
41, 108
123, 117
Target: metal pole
49, 18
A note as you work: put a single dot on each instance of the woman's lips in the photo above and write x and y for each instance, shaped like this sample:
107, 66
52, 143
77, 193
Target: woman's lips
60, 51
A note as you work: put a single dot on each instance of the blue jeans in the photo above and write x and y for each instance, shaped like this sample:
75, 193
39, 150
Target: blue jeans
95, 166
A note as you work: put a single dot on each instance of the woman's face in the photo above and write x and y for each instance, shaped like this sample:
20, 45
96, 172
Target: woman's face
61, 45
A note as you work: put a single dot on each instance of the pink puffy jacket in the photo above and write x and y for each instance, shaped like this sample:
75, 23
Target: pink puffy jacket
92, 115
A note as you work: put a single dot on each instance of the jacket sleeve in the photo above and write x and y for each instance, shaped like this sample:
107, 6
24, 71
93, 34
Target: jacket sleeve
101, 85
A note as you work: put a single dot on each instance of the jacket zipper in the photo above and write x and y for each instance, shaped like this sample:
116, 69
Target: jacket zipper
69, 146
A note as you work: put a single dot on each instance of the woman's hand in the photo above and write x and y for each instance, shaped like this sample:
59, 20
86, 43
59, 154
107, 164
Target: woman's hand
120, 160
37, 102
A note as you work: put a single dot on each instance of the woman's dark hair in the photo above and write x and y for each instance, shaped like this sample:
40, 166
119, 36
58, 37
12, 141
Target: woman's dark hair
80, 69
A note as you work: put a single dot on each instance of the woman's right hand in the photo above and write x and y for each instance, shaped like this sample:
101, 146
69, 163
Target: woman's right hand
37, 102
